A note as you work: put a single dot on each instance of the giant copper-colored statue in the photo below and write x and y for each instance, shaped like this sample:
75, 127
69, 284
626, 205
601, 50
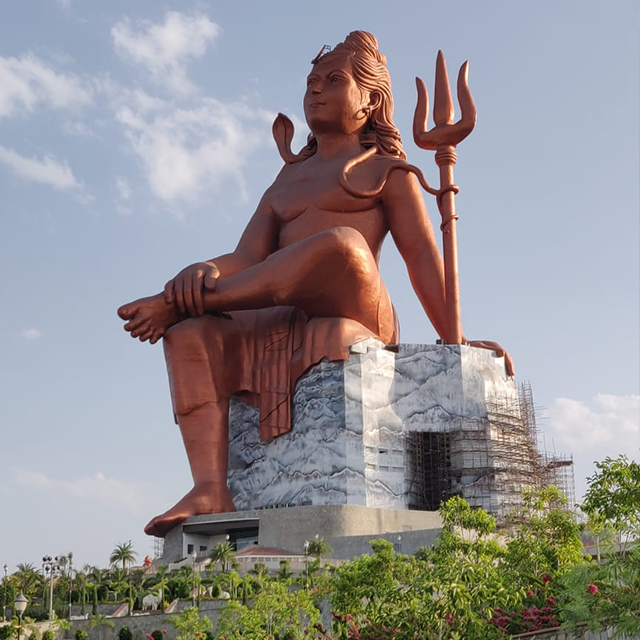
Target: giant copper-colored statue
303, 283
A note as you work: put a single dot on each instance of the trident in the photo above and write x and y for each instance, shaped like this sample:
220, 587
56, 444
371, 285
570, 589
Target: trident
443, 139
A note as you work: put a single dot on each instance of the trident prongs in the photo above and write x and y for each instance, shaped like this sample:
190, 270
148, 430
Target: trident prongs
444, 132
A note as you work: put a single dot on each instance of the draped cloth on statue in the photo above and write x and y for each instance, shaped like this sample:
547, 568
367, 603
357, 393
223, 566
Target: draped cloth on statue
260, 355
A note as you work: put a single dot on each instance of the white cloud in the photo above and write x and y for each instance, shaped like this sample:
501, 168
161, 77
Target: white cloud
123, 187
47, 170
188, 151
28, 82
131, 497
31, 334
164, 49
608, 420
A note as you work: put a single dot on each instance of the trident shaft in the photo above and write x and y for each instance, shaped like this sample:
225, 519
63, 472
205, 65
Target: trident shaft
442, 139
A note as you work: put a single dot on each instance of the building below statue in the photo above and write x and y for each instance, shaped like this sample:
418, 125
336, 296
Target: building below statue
347, 528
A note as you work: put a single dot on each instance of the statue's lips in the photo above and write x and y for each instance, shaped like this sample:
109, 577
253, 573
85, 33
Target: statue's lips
315, 105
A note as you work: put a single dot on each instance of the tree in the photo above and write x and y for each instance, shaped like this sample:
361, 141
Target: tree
96, 580
284, 572
27, 579
276, 612
222, 553
600, 594
160, 581
614, 494
319, 547
101, 623
123, 553
190, 625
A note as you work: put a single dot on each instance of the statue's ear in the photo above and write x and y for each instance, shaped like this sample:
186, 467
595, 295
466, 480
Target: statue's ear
283, 135
375, 100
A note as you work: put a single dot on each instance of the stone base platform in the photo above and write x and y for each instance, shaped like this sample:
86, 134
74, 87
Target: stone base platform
376, 431
347, 528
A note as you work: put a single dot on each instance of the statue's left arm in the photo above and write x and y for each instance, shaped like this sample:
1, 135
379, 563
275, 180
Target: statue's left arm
413, 234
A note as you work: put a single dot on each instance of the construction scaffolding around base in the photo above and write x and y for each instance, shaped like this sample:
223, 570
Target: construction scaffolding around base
488, 462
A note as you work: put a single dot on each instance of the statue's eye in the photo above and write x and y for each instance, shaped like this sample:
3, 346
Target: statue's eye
335, 79
310, 82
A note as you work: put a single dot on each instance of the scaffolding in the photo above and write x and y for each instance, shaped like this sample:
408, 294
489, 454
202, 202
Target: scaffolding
488, 460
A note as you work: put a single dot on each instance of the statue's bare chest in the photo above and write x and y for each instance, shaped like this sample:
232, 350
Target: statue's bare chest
312, 188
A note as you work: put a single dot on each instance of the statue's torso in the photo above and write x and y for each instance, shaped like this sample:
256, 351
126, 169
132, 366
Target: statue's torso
307, 199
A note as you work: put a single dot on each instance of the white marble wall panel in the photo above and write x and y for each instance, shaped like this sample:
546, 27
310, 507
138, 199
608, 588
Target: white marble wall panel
350, 419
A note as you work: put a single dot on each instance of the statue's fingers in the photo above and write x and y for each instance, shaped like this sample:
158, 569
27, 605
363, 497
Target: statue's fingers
188, 299
198, 302
508, 363
179, 294
168, 292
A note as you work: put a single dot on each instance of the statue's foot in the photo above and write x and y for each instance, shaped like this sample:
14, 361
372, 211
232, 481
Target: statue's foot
207, 497
149, 318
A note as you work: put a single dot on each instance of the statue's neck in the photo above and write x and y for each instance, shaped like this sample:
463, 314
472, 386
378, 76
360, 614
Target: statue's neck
338, 145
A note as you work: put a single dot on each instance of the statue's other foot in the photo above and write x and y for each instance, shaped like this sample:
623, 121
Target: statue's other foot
207, 497
149, 318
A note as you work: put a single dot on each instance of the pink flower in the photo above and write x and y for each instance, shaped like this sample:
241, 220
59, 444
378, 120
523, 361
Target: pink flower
546, 578
551, 601
449, 618
530, 592
592, 589
149, 636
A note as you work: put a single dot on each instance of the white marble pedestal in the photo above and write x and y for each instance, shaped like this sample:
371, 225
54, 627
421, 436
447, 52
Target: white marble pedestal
358, 433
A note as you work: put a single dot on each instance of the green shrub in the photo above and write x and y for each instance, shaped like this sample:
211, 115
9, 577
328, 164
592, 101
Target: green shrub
7, 631
157, 634
124, 633
35, 634
81, 634
48, 635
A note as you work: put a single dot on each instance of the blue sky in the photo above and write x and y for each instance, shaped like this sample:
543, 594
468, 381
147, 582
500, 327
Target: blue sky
135, 138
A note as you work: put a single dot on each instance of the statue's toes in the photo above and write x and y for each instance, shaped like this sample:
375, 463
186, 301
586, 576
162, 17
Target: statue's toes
125, 312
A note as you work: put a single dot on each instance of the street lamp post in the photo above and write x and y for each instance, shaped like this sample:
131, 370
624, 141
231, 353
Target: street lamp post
194, 555
306, 559
4, 593
50, 565
19, 605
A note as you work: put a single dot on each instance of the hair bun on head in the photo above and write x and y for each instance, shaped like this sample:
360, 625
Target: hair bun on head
366, 41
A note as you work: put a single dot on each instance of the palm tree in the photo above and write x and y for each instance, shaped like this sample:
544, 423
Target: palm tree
102, 623
123, 553
81, 587
118, 581
319, 547
97, 579
160, 581
26, 578
284, 572
222, 553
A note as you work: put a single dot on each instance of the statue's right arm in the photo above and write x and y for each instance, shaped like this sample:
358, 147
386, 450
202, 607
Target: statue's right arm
259, 240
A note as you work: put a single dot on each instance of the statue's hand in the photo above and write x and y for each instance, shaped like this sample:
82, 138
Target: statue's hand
500, 352
187, 288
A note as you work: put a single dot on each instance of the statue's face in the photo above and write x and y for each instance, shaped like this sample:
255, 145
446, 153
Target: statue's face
333, 101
